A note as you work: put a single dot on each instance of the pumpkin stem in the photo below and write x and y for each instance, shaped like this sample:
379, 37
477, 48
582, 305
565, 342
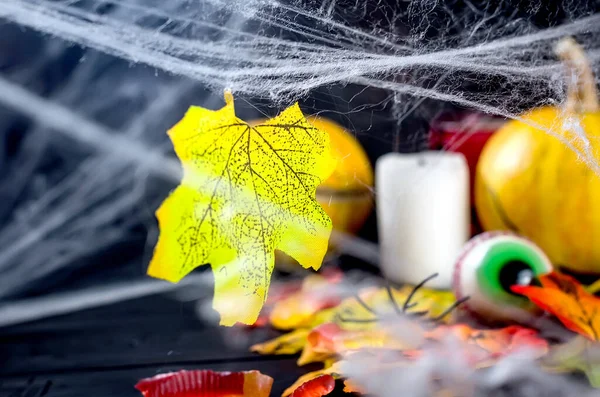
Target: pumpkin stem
582, 95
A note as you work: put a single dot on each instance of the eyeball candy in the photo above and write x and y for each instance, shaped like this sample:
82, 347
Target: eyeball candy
488, 266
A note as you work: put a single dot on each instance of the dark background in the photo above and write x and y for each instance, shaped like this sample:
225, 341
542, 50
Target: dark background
104, 351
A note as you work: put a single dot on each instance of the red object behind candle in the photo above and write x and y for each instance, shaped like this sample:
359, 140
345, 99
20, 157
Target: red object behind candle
464, 133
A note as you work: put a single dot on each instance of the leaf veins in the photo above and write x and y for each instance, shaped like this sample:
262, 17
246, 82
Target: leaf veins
245, 192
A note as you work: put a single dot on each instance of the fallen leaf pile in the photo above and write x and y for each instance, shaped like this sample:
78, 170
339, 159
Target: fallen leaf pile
246, 191
387, 329
395, 324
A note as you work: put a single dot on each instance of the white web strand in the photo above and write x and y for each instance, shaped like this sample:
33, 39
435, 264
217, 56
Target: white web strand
284, 66
85, 204
68, 302
279, 68
258, 48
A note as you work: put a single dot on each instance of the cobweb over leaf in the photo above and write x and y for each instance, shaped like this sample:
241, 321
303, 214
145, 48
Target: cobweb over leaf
246, 191
491, 57
72, 191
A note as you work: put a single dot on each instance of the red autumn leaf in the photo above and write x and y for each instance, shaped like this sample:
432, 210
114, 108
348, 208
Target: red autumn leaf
332, 369
565, 298
490, 344
323, 336
317, 387
320, 343
206, 383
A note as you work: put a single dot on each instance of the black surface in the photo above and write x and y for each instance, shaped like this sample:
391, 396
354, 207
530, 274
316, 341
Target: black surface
105, 351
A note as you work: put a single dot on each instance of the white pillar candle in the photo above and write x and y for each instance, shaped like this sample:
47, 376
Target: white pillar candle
422, 214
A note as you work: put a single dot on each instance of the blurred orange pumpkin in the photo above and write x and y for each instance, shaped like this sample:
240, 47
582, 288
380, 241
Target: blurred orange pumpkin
531, 182
346, 196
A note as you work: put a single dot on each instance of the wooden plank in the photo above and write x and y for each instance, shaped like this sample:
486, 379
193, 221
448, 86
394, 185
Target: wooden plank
145, 332
106, 350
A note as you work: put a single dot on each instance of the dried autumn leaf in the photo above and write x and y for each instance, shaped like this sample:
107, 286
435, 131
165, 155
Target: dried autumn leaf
333, 370
483, 347
320, 344
298, 309
329, 340
290, 343
277, 292
316, 387
351, 387
206, 383
381, 348
280, 292
294, 341
568, 300
376, 302
245, 192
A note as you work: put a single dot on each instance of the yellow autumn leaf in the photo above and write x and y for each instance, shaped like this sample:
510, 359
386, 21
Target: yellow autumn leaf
245, 192
333, 370
354, 314
300, 308
290, 343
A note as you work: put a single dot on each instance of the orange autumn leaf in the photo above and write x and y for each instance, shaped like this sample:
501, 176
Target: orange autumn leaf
281, 291
482, 347
316, 387
329, 340
290, 343
352, 387
333, 370
277, 293
565, 298
494, 341
293, 341
386, 351
199, 383
320, 344
298, 309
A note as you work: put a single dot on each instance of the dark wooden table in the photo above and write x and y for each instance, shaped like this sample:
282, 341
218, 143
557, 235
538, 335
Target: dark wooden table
106, 350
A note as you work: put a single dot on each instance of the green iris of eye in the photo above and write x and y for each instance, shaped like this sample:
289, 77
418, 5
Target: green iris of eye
507, 263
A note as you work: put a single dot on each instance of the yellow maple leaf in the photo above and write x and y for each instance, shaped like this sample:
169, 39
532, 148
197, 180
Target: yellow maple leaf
245, 192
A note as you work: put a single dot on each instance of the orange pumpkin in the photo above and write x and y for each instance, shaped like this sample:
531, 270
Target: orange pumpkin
346, 196
530, 181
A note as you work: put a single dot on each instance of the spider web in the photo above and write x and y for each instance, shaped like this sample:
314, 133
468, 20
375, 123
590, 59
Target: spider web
97, 82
